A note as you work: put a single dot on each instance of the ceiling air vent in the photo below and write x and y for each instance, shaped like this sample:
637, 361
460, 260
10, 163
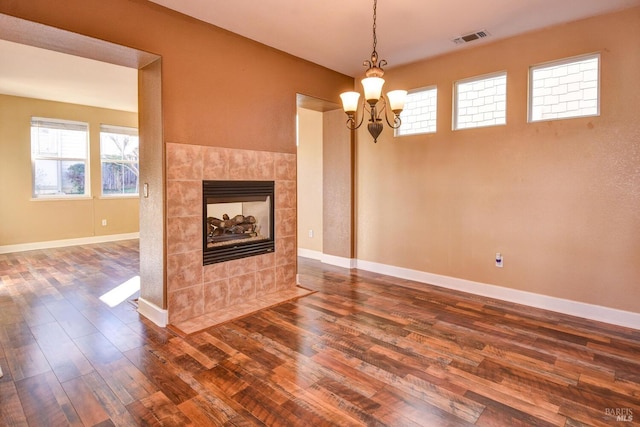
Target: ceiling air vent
471, 37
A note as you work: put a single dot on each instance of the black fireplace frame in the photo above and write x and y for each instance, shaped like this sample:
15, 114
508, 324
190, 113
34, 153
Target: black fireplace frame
234, 191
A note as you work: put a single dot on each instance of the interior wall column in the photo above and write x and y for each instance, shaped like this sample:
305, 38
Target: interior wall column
338, 191
153, 295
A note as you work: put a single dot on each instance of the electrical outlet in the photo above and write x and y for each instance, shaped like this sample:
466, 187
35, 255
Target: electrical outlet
311, 233
104, 222
499, 259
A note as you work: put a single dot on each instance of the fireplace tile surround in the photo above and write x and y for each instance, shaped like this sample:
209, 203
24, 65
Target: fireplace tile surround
197, 295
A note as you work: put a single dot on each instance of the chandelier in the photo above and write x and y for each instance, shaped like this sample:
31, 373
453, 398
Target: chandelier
375, 104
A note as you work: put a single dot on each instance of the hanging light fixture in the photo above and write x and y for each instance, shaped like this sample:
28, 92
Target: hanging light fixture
375, 103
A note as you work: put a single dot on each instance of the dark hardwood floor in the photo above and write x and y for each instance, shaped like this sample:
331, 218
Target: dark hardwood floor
363, 350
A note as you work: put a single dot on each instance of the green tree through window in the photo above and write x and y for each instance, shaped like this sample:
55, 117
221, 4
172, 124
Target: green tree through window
119, 154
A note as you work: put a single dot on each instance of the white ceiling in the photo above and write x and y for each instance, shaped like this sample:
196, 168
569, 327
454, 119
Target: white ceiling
334, 33
44, 74
338, 33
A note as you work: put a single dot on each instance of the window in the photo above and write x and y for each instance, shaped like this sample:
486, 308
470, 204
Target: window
119, 158
564, 89
481, 102
59, 157
419, 114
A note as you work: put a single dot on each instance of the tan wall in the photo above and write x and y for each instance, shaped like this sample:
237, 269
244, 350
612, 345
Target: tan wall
218, 88
25, 220
559, 199
310, 179
337, 186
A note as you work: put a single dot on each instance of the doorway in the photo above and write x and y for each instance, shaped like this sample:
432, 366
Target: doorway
326, 182
151, 156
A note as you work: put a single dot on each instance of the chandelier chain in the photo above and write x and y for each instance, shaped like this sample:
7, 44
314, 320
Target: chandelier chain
375, 38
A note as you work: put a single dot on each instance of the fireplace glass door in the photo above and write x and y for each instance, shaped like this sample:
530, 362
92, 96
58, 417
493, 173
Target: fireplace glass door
238, 219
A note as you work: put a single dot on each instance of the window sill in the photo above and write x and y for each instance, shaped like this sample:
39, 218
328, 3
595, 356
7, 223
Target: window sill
59, 198
119, 196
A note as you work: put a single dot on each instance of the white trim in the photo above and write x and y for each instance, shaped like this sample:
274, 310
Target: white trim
58, 198
68, 242
339, 261
574, 308
328, 259
308, 253
152, 312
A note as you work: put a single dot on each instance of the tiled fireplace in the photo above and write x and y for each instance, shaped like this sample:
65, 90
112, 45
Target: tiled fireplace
201, 295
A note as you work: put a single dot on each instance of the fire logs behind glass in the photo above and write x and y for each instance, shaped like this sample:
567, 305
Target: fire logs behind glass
238, 227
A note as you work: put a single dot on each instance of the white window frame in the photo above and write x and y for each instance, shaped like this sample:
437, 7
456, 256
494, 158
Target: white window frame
559, 63
456, 100
36, 155
120, 130
407, 119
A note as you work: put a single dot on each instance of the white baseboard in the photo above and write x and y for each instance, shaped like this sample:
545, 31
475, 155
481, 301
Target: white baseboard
327, 259
152, 312
339, 261
573, 308
308, 253
67, 242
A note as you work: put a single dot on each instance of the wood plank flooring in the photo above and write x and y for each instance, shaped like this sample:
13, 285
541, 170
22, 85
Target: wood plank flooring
364, 349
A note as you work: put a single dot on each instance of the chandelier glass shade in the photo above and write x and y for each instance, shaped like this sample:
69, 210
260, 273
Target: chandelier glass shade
375, 104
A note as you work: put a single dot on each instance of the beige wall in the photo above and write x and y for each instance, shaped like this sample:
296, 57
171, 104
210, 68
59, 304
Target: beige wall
310, 179
218, 88
559, 199
25, 220
337, 186
325, 184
